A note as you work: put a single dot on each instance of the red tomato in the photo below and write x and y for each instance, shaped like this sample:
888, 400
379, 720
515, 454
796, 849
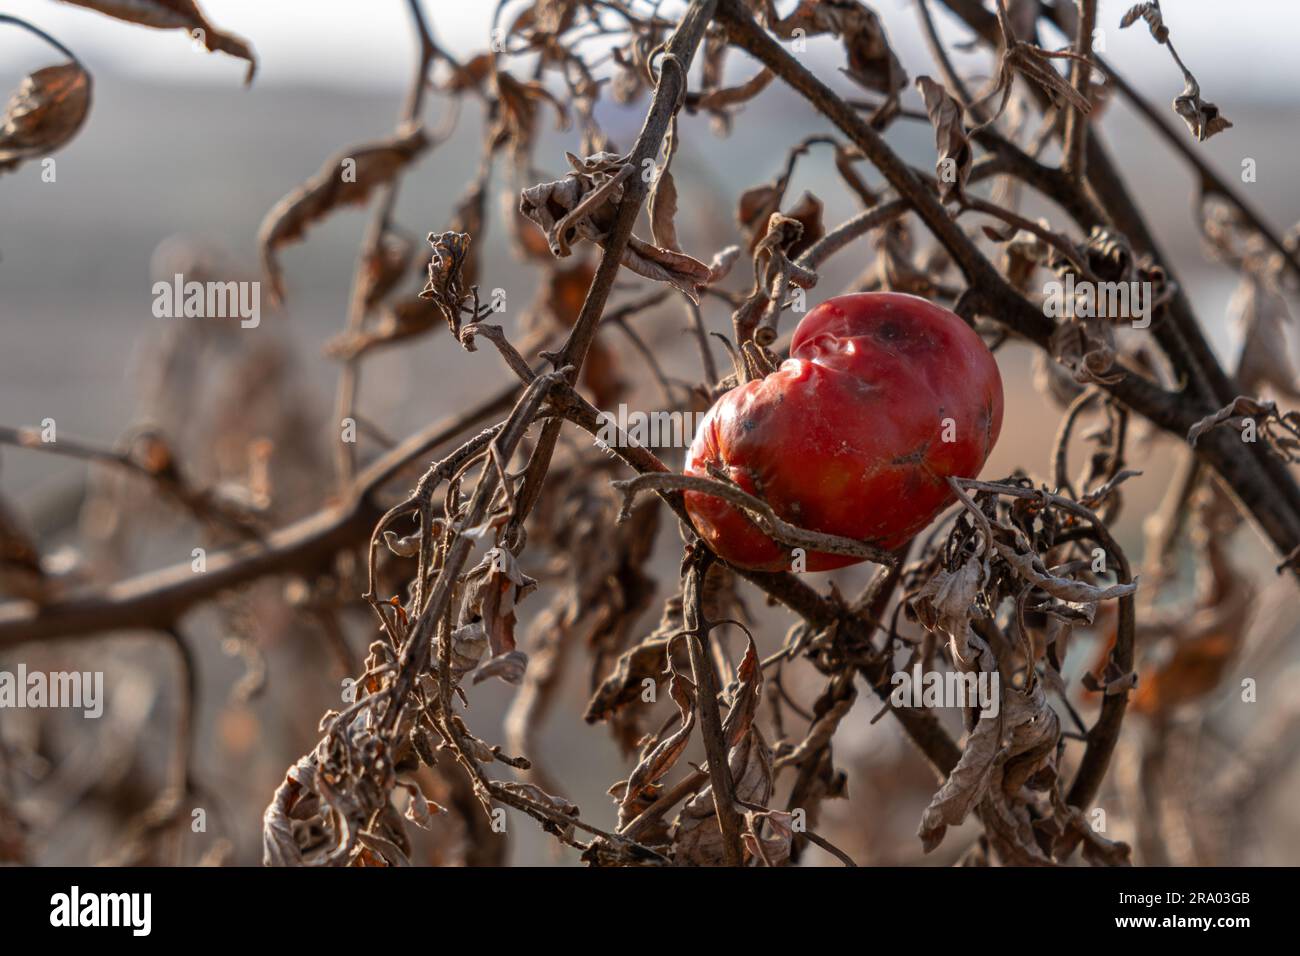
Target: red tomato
884, 396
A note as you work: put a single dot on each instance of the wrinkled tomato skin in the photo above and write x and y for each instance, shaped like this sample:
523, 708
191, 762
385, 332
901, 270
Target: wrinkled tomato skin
848, 436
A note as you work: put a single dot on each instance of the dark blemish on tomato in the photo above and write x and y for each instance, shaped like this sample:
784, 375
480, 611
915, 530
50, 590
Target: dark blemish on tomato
914, 457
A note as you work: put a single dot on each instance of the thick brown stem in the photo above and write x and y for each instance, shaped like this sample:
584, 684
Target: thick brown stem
706, 704
1076, 123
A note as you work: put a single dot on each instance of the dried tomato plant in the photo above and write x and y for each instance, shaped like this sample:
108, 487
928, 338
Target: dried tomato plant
520, 509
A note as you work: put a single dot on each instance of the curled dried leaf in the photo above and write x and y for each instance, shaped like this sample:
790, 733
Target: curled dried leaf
946, 602
755, 208
516, 105
584, 205
383, 267
509, 667
721, 263
468, 218
1238, 413
1242, 407
626, 683
769, 836
663, 210
470, 75
871, 61
347, 178
446, 287
744, 703
44, 113
1034, 64
497, 583
176, 15
697, 836
965, 786
1030, 566
1150, 12
722, 101
807, 212
1088, 349
1264, 318
1202, 117
679, 270
659, 759
419, 808
955, 154
468, 645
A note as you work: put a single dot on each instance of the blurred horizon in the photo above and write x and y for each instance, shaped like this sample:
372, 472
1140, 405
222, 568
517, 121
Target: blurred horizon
320, 44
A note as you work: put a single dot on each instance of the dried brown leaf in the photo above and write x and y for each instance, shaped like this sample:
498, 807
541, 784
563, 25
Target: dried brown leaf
871, 61
1150, 12
744, 704
383, 268
446, 287
664, 755
697, 836
1202, 117
1087, 348
625, 684
332, 187
663, 210
468, 645
965, 786
44, 113
946, 602
176, 15
497, 584
772, 847
583, 205
955, 154
721, 101
1262, 315
1241, 408
517, 104
470, 75
1030, 567
420, 809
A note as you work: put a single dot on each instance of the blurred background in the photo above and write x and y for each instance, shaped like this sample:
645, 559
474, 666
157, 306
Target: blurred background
177, 156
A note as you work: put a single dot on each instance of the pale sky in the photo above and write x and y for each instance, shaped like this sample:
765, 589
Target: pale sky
1243, 48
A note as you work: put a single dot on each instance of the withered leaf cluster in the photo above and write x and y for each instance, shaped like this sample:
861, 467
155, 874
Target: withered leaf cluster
584, 205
